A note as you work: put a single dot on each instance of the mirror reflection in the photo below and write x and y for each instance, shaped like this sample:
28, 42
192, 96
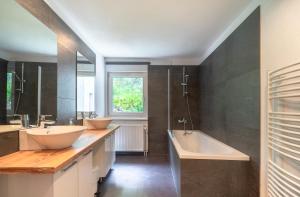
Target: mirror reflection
28, 67
86, 72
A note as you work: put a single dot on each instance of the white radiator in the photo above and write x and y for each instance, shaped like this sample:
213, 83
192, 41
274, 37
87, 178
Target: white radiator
284, 132
132, 138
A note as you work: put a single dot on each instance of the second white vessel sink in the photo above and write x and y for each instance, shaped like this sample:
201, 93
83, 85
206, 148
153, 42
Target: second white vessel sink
97, 123
56, 137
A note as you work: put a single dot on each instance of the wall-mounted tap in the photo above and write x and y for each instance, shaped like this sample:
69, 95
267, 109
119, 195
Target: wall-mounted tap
183, 121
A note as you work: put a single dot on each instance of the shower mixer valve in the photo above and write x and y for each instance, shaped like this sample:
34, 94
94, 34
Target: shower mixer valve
183, 121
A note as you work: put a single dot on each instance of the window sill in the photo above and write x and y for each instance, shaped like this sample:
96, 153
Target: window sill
129, 118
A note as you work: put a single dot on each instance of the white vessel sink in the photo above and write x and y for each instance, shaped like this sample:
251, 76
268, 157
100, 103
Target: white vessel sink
56, 137
7, 128
97, 123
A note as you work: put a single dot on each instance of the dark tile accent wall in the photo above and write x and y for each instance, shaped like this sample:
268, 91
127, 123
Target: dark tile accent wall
49, 89
158, 103
68, 45
230, 94
28, 100
158, 109
3, 72
179, 102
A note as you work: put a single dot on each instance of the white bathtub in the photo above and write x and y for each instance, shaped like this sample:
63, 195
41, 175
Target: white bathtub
199, 145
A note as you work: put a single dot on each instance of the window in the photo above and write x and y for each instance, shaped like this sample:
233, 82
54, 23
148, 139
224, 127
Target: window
9, 93
86, 73
85, 93
127, 94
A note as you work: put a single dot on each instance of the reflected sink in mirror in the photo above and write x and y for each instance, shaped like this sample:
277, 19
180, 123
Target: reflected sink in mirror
97, 123
56, 137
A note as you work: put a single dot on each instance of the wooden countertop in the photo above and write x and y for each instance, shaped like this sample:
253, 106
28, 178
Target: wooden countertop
51, 161
9, 128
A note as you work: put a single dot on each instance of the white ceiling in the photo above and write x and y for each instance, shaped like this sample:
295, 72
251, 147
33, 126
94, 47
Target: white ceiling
22, 36
149, 29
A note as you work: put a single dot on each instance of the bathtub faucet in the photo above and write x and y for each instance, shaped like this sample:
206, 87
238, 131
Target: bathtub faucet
183, 121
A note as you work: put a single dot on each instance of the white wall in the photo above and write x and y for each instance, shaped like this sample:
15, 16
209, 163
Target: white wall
100, 85
280, 46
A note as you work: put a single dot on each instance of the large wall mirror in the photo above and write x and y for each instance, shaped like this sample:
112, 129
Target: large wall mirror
86, 73
28, 65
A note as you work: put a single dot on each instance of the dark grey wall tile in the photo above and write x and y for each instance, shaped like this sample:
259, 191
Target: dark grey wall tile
209, 178
179, 102
49, 90
158, 109
3, 71
230, 94
158, 103
28, 100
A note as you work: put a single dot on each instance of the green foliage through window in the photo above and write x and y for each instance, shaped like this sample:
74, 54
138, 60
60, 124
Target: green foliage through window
127, 94
9, 91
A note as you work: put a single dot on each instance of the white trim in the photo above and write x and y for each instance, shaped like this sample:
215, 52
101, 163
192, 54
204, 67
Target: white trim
126, 68
231, 28
109, 76
168, 61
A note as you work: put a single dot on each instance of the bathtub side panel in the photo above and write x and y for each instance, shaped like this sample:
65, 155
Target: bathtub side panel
213, 178
175, 166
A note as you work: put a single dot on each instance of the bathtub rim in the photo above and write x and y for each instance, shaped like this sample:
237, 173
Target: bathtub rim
183, 154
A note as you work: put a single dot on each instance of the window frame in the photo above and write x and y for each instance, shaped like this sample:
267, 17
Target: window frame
144, 75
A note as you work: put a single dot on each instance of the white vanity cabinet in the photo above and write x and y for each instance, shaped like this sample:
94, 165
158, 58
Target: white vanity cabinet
65, 182
86, 185
104, 155
75, 180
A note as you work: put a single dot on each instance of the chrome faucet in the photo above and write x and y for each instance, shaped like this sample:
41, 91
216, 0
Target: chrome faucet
42, 121
92, 115
23, 120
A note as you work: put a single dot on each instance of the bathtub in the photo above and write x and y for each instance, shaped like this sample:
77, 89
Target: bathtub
204, 166
199, 145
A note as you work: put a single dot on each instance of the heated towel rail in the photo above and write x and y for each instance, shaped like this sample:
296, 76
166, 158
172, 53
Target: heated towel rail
283, 172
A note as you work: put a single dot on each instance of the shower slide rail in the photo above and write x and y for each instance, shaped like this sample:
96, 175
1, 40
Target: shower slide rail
283, 136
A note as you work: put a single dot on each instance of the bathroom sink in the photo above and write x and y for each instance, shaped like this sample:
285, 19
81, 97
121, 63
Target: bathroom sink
97, 123
56, 137
7, 128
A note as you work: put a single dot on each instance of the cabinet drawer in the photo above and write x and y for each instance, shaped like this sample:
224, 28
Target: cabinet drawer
9, 142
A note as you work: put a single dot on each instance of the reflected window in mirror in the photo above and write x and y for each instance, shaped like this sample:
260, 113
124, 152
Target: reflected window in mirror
86, 73
9, 92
